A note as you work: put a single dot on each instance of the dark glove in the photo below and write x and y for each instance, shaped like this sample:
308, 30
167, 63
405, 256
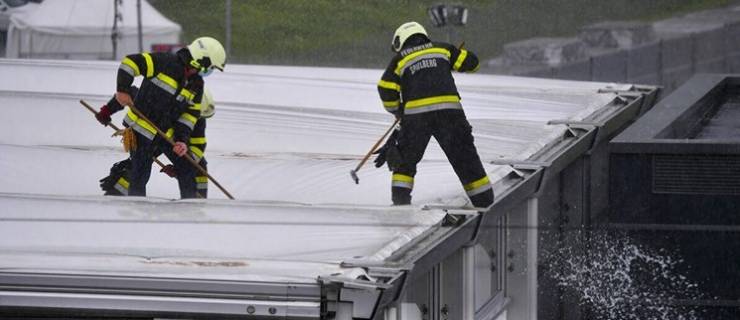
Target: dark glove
380, 159
169, 170
103, 115
388, 151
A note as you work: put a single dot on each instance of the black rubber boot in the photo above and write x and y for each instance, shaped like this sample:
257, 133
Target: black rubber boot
108, 184
483, 199
400, 196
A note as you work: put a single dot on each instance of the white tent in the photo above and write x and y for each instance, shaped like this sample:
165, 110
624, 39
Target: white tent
81, 29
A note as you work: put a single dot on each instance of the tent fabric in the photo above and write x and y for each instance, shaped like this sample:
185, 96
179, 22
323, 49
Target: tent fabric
282, 133
283, 141
81, 29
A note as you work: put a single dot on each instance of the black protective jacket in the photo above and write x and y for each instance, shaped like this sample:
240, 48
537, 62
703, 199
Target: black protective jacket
418, 79
167, 97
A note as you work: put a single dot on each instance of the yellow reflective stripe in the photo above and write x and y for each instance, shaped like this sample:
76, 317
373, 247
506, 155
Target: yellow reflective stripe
187, 94
199, 140
196, 106
389, 85
130, 63
170, 133
196, 151
402, 178
123, 182
431, 100
391, 104
189, 117
168, 80
408, 58
460, 59
477, 183
141, 122
201, 179
149, 65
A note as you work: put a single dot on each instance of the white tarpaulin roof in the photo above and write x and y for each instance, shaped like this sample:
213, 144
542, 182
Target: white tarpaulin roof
81, 29
283, 141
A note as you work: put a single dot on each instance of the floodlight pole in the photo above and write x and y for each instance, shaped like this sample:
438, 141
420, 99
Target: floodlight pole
138, 16
114, 32
447, 17
228, 26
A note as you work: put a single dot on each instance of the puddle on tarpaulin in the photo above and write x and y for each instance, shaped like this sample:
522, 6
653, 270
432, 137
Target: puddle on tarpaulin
615, 277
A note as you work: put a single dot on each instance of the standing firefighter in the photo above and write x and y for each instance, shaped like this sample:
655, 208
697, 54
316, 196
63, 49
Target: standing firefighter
418, 88
117, 183
170, 96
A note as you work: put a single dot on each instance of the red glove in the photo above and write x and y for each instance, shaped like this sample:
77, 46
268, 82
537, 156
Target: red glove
103, 115
169, 170
180, 148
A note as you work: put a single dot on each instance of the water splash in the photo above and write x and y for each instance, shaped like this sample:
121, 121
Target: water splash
616, 278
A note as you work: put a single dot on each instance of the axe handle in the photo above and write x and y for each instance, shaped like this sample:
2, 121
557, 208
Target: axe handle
375, 146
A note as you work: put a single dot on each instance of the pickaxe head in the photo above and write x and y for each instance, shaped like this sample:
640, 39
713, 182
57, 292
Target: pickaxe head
353, 173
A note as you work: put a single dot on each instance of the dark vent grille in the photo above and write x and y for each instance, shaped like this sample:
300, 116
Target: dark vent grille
696, 174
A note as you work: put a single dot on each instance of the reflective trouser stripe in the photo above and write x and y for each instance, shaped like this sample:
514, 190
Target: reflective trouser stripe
201, 182
140, 125
478, 186
402, 180
196, 152
122, 186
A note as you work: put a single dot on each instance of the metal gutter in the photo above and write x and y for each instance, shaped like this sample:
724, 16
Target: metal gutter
132, 295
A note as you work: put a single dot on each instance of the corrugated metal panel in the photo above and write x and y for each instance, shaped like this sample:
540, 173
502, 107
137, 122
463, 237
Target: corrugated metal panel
696, 174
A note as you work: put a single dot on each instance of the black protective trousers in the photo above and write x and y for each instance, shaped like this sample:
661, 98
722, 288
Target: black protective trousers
454, 134
141, 167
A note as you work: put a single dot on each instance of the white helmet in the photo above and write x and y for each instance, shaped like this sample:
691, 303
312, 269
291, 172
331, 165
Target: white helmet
207, 107
405, 31
207, 54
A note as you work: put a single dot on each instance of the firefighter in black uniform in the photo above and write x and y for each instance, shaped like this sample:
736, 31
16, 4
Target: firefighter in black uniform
170, 96
117, 183
418, 88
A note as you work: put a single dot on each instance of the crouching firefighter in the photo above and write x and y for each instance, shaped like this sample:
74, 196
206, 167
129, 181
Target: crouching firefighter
116, 183
170, 96
418, 88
